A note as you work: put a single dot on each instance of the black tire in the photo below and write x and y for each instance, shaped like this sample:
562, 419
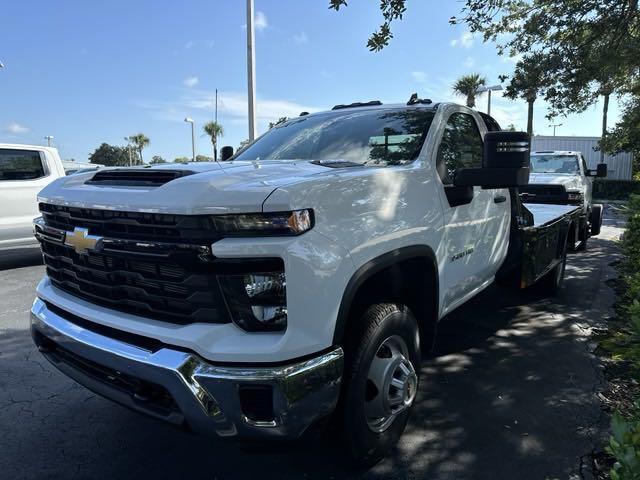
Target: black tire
368, 439
596, 219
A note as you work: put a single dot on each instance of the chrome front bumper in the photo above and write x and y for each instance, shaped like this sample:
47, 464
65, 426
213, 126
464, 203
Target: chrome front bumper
183, 388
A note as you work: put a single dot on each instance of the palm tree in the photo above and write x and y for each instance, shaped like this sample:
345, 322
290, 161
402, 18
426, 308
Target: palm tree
214, 130
467, 86
140, 140
527, 82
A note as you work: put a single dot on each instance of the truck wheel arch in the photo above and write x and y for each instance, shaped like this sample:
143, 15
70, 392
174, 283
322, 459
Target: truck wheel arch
412, 274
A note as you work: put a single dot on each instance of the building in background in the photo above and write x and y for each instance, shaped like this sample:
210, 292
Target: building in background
619, 167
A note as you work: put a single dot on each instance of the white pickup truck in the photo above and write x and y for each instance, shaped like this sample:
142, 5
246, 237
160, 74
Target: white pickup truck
562, 177
256, 297
24, 171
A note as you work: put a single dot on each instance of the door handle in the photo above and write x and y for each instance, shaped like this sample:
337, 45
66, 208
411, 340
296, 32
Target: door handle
499, 199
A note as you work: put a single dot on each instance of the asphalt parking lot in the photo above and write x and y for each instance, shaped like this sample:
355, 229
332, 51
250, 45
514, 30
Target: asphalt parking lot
509, 393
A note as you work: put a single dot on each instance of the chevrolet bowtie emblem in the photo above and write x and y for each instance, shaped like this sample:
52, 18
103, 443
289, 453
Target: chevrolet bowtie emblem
81, 241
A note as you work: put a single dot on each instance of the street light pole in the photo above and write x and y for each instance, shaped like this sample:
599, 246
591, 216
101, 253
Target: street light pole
251, 71
554, 125
489, 90
48, 138
193, 138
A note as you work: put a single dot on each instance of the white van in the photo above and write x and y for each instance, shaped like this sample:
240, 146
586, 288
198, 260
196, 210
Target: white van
24, 171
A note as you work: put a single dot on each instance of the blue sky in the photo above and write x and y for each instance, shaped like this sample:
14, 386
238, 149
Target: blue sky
93, 72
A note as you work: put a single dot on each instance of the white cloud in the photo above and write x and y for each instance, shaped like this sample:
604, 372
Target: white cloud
514, 59
232, 105
465, 40
300, 37
190, 81
16, 129
189, 44
419, 76
469, 62
260, 21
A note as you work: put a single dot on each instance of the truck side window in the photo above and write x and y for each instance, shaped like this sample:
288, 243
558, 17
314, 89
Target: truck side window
20, 165
461, 146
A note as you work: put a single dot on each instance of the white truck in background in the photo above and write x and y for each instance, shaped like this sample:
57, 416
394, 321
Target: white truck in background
24, 171
562, 178
296, 282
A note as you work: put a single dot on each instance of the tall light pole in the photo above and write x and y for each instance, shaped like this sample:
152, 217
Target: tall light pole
193, 137
251, 70
490, 89
554, 125
48, 138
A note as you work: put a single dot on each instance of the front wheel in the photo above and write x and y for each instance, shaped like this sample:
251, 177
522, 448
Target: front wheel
596, 219
381, 380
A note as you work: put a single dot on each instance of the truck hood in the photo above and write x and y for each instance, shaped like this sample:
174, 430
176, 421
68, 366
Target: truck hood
569, 181
213, 188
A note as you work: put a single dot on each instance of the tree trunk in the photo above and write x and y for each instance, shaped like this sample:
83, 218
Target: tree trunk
605, 110
141, 160
530, 115
471, 101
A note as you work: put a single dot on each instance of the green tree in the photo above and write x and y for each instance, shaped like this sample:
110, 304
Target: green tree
527, 82
182, 160
110, 156
467, 86
157, 159
214, 130
140, 141
391, 10
243, 144
203, 158
591, 48
278, 122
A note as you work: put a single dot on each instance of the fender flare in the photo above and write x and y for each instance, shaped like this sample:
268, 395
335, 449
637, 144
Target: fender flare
376, 265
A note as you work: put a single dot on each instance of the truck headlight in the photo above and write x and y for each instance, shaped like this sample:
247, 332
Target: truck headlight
257, 301
260, 224
575, 197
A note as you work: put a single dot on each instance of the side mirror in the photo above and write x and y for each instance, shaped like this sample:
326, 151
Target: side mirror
226, 153
601, 170
505, 162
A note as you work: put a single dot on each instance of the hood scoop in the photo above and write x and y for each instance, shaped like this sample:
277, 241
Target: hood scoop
131, 177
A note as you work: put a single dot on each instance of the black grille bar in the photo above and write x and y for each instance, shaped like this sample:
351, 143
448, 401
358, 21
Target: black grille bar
157, 227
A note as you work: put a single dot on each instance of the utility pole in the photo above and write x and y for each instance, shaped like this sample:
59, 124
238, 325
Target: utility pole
489, 90
215, 119
251, 70
193, 138
48, 138
554, 125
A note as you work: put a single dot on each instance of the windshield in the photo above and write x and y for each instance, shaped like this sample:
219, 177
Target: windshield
366, 137
554, 164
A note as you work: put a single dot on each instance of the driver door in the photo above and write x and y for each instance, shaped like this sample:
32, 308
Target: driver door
476, 221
